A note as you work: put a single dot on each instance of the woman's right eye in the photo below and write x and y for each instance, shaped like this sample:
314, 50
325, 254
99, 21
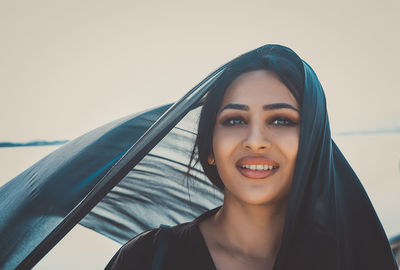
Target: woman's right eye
233, 122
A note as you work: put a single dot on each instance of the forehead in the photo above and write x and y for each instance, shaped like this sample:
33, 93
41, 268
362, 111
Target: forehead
259, 87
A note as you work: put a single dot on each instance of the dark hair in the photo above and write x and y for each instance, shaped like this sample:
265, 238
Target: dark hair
275, 58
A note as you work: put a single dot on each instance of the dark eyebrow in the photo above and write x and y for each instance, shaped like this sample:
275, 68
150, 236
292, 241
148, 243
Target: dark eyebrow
276, 106
273, 106
241, 107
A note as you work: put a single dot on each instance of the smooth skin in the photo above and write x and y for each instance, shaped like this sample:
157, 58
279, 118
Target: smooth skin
258, 118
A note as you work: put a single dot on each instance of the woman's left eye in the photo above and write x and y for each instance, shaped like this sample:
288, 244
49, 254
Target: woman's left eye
283, 122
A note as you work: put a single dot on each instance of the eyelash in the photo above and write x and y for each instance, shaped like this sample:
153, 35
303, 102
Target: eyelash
233, 121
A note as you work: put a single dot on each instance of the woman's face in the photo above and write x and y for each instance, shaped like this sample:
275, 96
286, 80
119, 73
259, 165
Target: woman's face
256, 137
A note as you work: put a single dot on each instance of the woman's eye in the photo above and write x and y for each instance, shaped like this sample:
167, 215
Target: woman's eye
233, 122
283, 122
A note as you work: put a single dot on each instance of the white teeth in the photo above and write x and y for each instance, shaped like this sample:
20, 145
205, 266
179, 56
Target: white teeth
258, 167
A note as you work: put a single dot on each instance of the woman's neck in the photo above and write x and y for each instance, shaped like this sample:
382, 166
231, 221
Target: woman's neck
254, 231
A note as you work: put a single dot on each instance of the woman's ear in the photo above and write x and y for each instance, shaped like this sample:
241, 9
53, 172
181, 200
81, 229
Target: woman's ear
211, 159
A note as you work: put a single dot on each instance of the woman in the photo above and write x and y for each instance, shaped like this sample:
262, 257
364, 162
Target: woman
291, 201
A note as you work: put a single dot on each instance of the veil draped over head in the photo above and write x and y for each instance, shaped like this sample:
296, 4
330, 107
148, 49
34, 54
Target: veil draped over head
330, 222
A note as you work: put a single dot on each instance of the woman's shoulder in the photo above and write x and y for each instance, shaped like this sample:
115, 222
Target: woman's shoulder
138, 252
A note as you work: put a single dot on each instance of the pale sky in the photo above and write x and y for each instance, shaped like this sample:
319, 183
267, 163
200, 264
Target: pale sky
71, 66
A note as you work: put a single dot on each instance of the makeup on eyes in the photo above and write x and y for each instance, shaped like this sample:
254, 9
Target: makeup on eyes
280, 120
288, 122
232, 121
272, 106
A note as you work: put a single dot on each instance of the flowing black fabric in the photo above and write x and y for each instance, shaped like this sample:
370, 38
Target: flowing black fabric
36, 201
157, 191
44, 202
154, 192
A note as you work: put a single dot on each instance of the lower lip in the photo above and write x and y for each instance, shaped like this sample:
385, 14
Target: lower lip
256, 174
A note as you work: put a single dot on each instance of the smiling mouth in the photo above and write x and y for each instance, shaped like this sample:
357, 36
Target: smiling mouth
257, 167
257, 172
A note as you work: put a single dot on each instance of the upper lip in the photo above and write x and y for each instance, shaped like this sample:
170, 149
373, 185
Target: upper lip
256, 160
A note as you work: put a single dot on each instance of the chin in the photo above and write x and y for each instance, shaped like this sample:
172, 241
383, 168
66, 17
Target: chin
260, 198
262, 201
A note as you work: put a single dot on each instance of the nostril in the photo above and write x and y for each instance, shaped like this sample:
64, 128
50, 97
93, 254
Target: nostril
257, 147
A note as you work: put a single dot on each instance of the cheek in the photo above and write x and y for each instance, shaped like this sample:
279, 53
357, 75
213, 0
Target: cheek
289, 144
225, 141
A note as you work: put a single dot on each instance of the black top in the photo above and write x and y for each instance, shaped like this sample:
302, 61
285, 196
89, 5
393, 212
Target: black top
186, 249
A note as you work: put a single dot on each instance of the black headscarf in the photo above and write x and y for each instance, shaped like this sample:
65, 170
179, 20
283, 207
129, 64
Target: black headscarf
330, 222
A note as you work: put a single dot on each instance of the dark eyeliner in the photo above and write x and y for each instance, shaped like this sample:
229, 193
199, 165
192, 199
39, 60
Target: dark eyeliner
235, 119
290, 123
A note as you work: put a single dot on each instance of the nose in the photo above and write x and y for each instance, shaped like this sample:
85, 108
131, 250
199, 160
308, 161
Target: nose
256, 139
